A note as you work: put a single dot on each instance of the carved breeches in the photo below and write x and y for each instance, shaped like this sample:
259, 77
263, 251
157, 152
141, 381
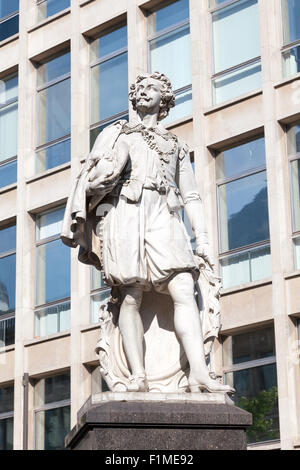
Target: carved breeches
144, 244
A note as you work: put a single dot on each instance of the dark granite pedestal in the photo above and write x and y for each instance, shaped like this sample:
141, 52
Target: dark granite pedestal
164, 422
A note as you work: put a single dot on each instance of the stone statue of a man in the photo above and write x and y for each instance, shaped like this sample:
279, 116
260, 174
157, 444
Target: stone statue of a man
139, 176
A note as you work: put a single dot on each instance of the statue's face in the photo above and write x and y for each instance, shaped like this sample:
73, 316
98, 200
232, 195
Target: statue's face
148, 95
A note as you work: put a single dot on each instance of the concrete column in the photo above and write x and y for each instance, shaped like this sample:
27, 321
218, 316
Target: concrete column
270, 30
24, 247
137, 43
80, 285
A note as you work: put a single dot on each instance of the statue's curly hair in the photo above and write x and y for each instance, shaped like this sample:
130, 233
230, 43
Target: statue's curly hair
167, 95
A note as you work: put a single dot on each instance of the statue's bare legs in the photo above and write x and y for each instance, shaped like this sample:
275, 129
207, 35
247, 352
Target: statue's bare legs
188, 329
187, 326
132, 331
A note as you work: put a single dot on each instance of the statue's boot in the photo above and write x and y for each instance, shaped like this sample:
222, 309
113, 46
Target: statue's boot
210, 385
138, 383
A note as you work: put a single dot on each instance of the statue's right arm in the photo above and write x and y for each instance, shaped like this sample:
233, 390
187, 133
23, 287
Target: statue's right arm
121, 151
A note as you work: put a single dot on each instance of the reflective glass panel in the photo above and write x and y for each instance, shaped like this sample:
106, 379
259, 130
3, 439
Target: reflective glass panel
7, 7
8, 173
54, 106
7, 284
249, 346
51, 7
109, 43
49, 223
293, 139
52, 389
7, 331
6, 433
235, 34
256, 392
8, 89
290, 20
8, 131
53, 156
239, 82
51, 428
54, 69
291, 61
167, 51
96, 279
168, 16
98, 300
241, 159
183, 107
243, 212
295, 178
296, 243
8, 28
52, 272
53, 319
109, 88
8, 239
6, 399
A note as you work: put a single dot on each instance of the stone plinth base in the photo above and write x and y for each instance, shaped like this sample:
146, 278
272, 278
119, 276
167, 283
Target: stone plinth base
162, 421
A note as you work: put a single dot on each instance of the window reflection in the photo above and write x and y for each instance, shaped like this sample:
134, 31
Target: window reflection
169, 44
250, 367
236, 49
52, 275
243, 214
48, 8
6, 417
54, 110
9, 18
52, 423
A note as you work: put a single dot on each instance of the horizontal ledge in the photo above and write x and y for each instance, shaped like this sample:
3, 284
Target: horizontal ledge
49, 172
46, 339
7, 349
8, 40
94, 326
292, 275
52, 18
248, 286
9, 187
287, 81
85, 2
233, 102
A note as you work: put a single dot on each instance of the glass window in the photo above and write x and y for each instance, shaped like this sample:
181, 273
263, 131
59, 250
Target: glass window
100, 294
9, 18
7, 285
6, 417
236, 49
52, 275
52, 411
48, 8
291, 35
53, 116
243, 214
290, 20
293, 150
250, 367
8, 130
169, 44
109, 79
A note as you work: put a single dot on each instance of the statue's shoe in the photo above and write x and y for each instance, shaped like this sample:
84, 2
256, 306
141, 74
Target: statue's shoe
210, 385
138, 383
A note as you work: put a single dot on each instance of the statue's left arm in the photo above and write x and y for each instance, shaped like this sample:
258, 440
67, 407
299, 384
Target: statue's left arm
193, 205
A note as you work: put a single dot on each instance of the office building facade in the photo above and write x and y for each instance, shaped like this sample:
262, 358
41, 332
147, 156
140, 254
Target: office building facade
65, 69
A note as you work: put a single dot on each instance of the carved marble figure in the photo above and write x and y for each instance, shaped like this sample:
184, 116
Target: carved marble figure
125, 213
